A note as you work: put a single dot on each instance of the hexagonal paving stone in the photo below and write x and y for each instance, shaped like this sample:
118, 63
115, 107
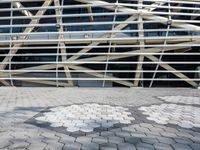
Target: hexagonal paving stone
115, 139
183, 115
72, 146
90, 146
179, 146
85, 117
126, 146
162, 146
100, 140
108, 146
144, 146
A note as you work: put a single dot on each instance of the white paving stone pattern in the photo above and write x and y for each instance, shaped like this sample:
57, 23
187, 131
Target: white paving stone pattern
181, 99
86, 117
185, 116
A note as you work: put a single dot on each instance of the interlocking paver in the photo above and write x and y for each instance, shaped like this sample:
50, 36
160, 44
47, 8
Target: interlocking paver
165, 113
130, 128
36, 146
66, 138
100, 140
132, 140
144, 146
54, 146
80, 117
20, 105
90, 146
72, 146
115, 139
183, 140
162, 146
5, 139
149, 140
142, 129
84, 139
195, 139
126, 146
195, 146
123, 134
19, 144
93, 134
107, 133
184, 133
4, 144
166, 140
168, 134
138, 134
108, 146
178, 146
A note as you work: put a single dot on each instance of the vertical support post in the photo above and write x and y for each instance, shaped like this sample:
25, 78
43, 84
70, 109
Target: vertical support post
141, 42
110, 43
61, 36
165, 42
10, 44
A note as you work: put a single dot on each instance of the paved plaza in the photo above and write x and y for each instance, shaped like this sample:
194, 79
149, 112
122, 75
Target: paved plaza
99, 119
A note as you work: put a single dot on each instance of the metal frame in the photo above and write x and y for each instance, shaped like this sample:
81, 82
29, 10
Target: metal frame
99, 47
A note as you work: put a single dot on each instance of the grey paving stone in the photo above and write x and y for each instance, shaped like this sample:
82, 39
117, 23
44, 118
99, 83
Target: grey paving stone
142, 129
18, 134
182, 133
196, 134
21, 104
19, 144
100, 140
138, 134
123, 134
116, 130
4, 142
195, 139
159, 126
183, 140
54, 146
168, 134
72, 146
158, 130
4, 149
169, 129
178, 146
149, 140
132, 140
162, 146
195, 146
48, 134
107, 133
129, 128
147, 125
153, 133
84, 139
166, 140
66, 139
144, 146
126, 146
115, 139
90, 146
93, 134
37, 146
108, 146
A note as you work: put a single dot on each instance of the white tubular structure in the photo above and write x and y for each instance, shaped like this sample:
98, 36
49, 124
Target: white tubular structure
147, 43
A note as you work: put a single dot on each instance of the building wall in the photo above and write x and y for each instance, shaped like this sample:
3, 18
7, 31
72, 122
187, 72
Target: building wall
100, 43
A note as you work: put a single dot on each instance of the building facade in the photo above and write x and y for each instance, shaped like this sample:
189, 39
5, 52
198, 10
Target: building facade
100, 43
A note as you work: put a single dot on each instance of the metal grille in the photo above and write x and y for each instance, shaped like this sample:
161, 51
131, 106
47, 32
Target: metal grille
105, 43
